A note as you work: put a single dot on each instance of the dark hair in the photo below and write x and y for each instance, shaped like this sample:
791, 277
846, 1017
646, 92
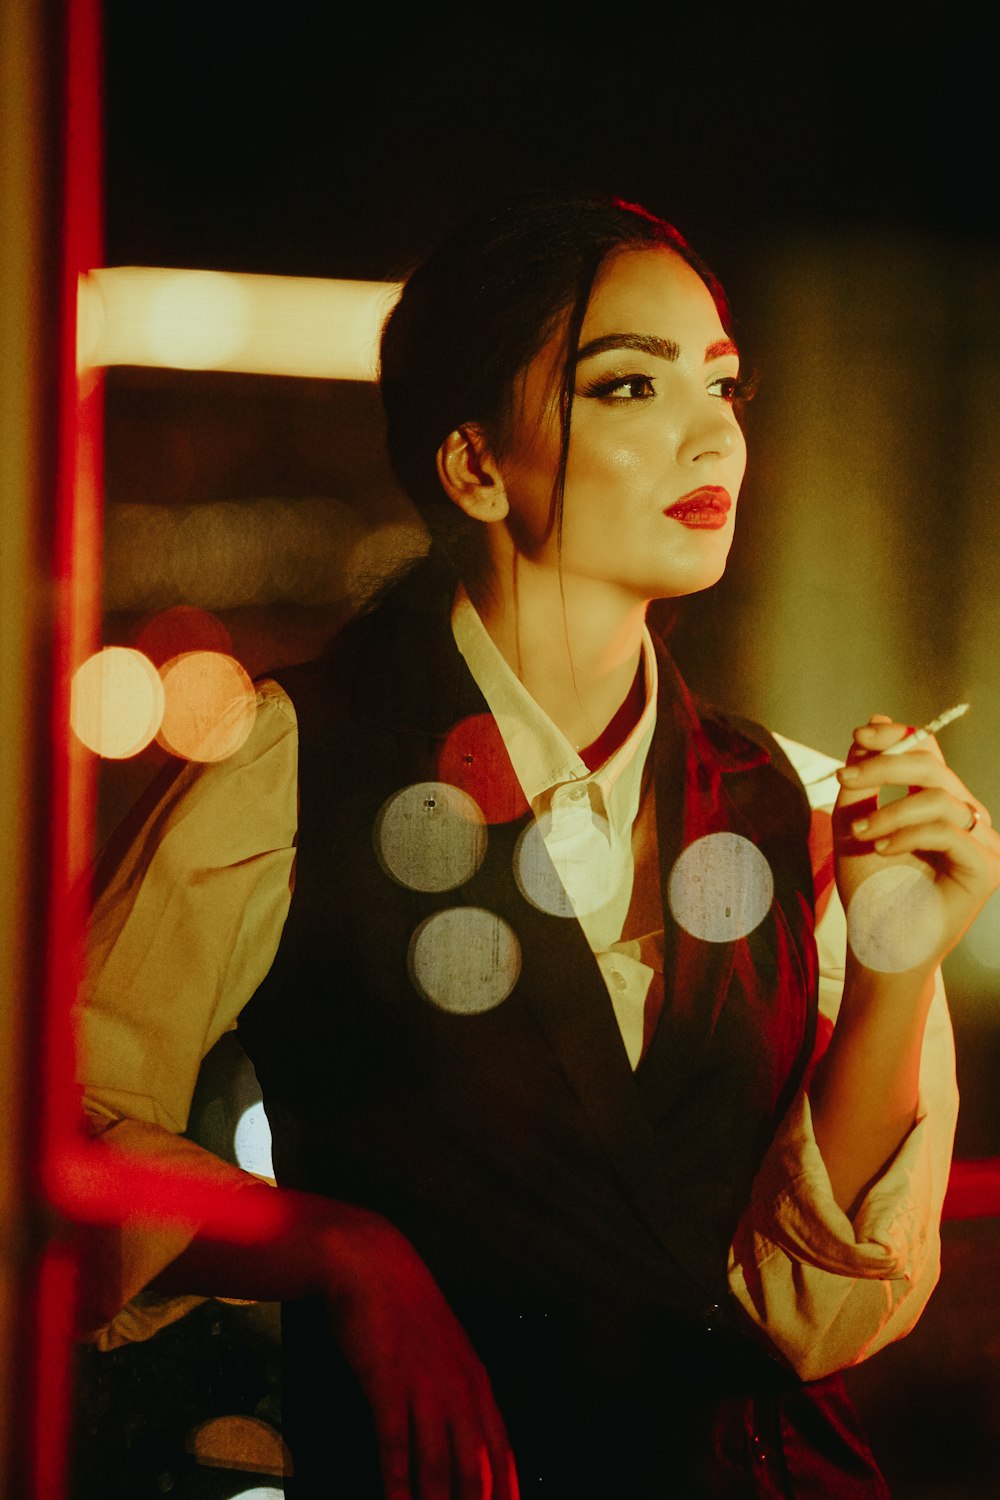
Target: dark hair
473, 314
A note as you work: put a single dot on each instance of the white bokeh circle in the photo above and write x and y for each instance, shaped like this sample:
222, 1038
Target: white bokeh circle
465, 960
536, 875
720, 888
895, 919
430, 836
116, 702
252, 1141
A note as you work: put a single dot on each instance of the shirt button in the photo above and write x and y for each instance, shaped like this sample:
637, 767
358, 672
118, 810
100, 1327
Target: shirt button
578, 793
620, 982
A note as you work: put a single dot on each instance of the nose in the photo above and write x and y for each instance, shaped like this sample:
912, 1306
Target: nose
711, 431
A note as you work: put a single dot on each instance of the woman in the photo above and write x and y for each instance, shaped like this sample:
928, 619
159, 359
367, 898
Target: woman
537, 1028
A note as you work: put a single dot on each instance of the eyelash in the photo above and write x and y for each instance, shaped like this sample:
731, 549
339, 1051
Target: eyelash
603, 390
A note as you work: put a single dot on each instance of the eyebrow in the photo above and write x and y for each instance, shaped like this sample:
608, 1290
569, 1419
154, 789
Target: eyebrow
647, 343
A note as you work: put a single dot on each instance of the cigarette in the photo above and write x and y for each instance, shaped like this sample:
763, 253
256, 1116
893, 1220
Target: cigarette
918, 735
910, 742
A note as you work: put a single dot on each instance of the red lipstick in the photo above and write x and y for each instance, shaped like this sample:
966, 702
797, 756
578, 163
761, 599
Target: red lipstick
702, 510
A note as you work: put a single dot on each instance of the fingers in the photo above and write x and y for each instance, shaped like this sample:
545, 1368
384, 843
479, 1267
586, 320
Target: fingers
482, 1462
869, 768
392, 1430
912, 768
431, 1458
931, 808
427, 1454
874, 762
935, 794
472, 1468
513, 1491
501, 1459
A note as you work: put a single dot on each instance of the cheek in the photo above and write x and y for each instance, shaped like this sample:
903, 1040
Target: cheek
605, 461
624, 459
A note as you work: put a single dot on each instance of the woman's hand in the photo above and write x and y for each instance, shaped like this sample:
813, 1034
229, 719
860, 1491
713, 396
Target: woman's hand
440, 1434
939, 830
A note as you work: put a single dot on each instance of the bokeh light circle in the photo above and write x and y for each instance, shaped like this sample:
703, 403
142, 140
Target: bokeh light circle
116, 702
139, 547
218, 554
474, 758
239, 1443
465, 960
590, 884
182, 627
895, 919
720, 888
209, 708
252, 1141
536, 875
430, 836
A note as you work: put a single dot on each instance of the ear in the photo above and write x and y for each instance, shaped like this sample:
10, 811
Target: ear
470, 474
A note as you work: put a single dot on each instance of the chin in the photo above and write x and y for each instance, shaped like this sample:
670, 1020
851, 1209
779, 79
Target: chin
691, 581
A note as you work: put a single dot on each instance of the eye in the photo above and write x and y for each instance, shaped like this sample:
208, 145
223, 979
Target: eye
622, 388
731, 388
726, 387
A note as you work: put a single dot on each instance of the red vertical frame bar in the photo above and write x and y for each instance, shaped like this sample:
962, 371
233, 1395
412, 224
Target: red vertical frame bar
76, 35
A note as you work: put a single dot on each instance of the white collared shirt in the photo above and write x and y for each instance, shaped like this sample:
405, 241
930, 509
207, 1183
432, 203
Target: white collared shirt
584, 818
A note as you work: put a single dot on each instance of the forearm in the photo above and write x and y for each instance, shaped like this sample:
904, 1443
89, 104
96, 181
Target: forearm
317, 1247
864, 1093
284, 1245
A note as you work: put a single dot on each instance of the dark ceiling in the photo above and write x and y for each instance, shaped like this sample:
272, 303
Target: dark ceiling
318, 139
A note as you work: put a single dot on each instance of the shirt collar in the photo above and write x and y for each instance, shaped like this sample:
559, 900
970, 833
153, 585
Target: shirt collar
540, 753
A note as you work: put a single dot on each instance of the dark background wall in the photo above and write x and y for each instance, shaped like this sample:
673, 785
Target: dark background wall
318, 140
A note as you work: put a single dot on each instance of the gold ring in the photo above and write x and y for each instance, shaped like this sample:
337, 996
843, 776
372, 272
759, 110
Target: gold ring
971, 827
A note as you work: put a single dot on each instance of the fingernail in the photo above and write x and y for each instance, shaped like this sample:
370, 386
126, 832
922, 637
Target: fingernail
848, 773
861, 826
881, 844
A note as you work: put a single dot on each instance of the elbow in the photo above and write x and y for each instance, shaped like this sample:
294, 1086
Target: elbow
99, 1297
812, 1362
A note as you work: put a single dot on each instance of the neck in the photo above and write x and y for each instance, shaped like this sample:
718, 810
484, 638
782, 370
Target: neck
576, 649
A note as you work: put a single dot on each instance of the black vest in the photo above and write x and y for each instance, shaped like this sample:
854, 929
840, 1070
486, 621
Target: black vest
576, 1214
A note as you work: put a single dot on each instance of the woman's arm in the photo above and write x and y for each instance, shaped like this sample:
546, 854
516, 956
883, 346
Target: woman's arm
912, 878
825, 1288
828, 1290
863, 1095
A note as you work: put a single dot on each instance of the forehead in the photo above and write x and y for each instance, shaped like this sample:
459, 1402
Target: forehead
652, 290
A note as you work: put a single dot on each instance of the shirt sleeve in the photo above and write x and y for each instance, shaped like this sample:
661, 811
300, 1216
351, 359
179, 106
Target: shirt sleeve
182, 932
828, 1291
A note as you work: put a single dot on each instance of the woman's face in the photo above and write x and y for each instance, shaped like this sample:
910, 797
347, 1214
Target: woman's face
656, 455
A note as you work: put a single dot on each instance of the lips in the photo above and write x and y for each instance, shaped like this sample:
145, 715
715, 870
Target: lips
702, 510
